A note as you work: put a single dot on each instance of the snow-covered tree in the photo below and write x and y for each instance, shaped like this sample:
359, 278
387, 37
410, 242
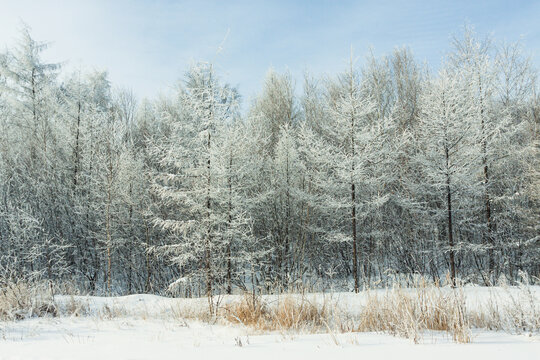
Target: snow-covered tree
340, 156
192, 181
448, 158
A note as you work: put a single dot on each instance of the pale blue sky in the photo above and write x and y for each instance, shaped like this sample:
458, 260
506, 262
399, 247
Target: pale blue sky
147, 45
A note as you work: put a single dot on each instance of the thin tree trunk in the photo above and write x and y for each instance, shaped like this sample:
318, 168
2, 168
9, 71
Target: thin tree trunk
487, 201
355, 252
450, 227
229, 261
490, 240
207, 260
34, 116
287, 220
353, 189
108, 220
76, 154
148, 264
130, 246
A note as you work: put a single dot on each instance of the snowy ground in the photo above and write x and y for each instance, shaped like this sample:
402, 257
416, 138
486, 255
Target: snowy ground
148, 329
85, 338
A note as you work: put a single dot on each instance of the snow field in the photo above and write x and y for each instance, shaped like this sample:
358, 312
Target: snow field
154, 327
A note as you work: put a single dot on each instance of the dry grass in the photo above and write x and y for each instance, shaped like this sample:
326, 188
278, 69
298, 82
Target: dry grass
400, 312
410, 313
288, 313
296, 314
20, 300
76, 307
192, 311
514, 309
404, 312
249, 311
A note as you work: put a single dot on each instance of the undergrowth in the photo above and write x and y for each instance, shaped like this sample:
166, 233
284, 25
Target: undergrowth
399, 311
21, 299
288, 313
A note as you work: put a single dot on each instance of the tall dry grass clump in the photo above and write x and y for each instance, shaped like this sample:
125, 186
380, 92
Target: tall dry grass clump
410, 312
75, 307
511, 308
299, 313
288, 312
249, 310
21, 299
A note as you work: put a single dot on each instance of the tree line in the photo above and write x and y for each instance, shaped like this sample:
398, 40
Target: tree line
391, 169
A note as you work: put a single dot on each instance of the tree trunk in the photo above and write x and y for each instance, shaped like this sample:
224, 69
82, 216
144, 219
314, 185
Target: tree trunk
450, 227
76, 154
353, 190
287, 226
229, 261
130, 246
207, 260
148, 284
355, 253
488, 237
108, 220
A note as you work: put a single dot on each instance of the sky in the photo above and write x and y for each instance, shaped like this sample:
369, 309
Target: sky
148, 45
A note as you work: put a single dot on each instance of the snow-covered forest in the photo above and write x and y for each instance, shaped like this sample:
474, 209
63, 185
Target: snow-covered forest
385, 168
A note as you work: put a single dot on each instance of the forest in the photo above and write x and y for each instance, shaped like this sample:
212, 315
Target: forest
387, 168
